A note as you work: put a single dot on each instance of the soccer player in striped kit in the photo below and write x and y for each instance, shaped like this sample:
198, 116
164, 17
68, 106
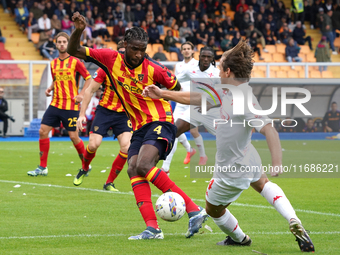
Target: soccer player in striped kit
152, 120
65, 103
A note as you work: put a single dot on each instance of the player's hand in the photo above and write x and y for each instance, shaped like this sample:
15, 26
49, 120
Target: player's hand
276, 170
80, 121
78, 98
79, 21
153, 92
48, 92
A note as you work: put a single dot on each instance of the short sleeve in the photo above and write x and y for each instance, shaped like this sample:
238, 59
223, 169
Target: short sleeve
99, 76
101, 57
164, 77
80, 68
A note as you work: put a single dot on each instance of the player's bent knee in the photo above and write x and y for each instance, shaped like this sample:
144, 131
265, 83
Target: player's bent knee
132, 171
143, 168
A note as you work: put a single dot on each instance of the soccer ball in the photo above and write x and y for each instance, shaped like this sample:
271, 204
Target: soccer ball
170, 206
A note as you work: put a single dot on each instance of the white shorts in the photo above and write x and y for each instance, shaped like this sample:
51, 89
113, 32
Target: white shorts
222, 191
180, 111
197, 119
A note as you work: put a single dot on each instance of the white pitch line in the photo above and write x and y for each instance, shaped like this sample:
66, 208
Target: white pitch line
166, 234
156, 195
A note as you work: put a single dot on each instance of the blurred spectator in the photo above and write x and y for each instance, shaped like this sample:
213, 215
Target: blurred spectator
175, 34
314, 12
66, 25
144, 25
288, 15
37, 12
31, 25
4, 5
268, 34
157, 8
322, 53
285, 33
193, 23
153, 34
226, 43
108, 17
259, 23
243, 5
89, 7
260, 39
212, 45
170, 45
43, 37
49, 49
129, 15
128, 26
327, 30
99, 4
2, 39
49, 10
328, 5
100, 29
83, 10
183, 13
150, 16
336, 20
273, 25
97, 43
160, 24
139, 14
180, 20
236, 39
252, 13
299, 35
61, 12
118, 14
118, 32
211, 32
292, 51
255, 5
186, 33
309, 126
298, 10
44, 23
73, 8
288, 128
55, 24
228, 26
331, 120
238, 17
21, 13
95, 12
159, 55
211, 7
253, 44
3, 116
280, 10
244, 25
167, 19
320, 17
202, 35
206, 21
263, 12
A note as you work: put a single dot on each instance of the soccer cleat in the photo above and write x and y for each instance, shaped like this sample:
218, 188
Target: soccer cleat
189, 155
195, 222
38, 171
88, 171
166, 171
80, 177
303, 239
228, 241
110, 187
203, 161
148, 233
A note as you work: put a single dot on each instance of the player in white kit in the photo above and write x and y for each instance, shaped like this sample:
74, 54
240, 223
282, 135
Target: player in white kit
236, 153
187, 50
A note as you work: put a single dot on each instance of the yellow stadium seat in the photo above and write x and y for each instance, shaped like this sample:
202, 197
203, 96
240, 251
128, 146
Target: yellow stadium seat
274, 68
258, 74
110, 30
162, 37
278, 57
173, 56
271, 48
272, 74
327, 74
304, 49
167, 54
199, 47
301, 73
35, 38
231, 14
196, 55
155, 46
281, 74
281, 48
337, 42
315, 74
292, 74
310, 57
303, 57
111, 45
267, 57
227, 6
285, 68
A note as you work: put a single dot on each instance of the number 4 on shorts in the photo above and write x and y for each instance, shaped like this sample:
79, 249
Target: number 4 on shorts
158, 129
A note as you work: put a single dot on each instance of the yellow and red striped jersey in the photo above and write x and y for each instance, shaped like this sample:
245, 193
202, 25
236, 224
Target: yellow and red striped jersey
131, 82
109, 98
65, 84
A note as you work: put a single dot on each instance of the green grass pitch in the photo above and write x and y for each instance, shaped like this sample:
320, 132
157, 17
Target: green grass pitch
48, 215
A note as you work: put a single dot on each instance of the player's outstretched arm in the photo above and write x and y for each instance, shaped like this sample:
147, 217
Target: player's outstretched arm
80, 96
183, 97
274, 146
49, 90
74, 48
90, 90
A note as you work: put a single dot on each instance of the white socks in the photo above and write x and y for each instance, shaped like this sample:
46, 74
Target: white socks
277, 198
229, 225
200, 145
184, 141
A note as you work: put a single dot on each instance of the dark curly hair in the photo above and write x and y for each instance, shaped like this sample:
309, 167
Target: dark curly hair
136, 33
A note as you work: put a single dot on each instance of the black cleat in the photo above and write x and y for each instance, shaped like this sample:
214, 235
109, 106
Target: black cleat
228, 241
303, 239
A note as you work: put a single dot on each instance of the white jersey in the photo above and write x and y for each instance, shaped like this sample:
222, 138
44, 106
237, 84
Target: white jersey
233, 139
183, 67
